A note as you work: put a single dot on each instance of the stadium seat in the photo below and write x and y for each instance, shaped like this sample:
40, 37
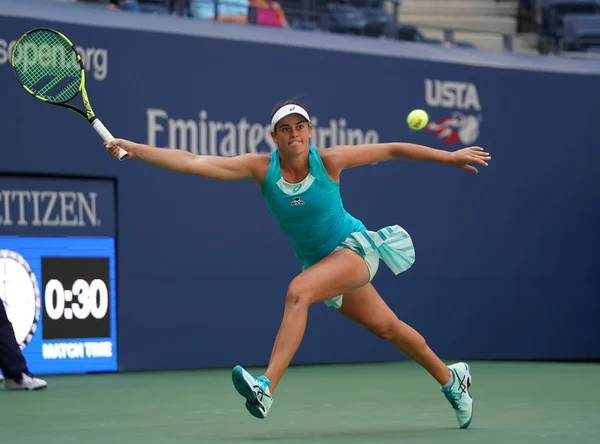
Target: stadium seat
344, 19
553, 12
380, 23
580, 32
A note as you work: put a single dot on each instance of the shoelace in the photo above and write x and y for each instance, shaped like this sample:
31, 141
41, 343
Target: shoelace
454, 396
260, 393
259, 387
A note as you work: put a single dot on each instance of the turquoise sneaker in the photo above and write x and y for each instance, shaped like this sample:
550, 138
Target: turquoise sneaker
255, 390
458, 393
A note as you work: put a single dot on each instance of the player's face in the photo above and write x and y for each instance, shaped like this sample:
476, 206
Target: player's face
292, 134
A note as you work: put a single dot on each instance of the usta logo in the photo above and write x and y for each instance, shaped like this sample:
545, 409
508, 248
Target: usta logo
457, 126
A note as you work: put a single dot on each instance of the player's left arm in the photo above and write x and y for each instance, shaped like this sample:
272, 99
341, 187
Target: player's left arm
339, 158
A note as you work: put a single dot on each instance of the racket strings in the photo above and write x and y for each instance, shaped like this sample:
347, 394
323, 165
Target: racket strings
46, 64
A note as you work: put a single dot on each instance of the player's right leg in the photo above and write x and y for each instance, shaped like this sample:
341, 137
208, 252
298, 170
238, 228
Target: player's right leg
256, 390
341, 271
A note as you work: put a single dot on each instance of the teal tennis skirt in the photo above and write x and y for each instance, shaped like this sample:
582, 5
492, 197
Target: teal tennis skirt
391, 244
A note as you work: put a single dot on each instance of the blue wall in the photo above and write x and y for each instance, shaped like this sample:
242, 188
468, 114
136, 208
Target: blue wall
506, 260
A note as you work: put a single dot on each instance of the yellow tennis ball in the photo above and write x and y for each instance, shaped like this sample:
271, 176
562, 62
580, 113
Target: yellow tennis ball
417, 119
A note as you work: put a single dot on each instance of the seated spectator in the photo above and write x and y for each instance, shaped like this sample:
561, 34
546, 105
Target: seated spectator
176, 7
230, 11
267, 13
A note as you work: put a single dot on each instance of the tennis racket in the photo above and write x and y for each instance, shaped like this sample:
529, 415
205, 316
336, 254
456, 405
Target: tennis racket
49, 67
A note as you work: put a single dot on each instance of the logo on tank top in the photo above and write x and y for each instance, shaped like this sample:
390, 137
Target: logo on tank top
297, 201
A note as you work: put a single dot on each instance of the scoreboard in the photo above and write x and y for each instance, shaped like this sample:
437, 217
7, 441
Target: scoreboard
58, 271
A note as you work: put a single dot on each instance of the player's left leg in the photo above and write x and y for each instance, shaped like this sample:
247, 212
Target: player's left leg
366, 307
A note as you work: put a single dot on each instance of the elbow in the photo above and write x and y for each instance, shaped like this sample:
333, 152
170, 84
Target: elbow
189, 164
396, 151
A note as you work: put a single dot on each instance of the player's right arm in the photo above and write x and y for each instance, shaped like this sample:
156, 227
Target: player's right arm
245, 166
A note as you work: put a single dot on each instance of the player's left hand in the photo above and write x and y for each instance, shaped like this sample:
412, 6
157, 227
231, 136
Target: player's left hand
465, 157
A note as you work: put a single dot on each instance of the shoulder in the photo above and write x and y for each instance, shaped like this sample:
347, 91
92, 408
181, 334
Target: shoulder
328, 154
332, 159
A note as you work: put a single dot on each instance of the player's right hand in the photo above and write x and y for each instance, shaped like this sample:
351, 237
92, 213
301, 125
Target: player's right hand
113, 146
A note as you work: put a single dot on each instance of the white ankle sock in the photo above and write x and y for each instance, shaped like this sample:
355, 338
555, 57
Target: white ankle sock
451, 380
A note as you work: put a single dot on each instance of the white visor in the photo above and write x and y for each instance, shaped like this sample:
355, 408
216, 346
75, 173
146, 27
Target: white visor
286, 111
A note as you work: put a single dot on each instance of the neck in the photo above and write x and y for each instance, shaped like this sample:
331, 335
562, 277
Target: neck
296, 164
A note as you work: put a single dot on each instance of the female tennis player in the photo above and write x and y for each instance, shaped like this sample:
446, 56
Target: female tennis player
339, 256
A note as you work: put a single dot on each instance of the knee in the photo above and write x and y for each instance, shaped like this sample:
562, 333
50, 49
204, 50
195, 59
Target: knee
298, 295
396, 330
384, 330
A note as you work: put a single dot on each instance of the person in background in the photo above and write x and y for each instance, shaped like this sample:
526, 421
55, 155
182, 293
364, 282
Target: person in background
163, 7
267, 13
229, 11
124, 5
12, 362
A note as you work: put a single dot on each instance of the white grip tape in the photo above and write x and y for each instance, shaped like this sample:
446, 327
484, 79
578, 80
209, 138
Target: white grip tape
107, 136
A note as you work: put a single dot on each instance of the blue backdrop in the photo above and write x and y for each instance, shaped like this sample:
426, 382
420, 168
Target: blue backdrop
507, 259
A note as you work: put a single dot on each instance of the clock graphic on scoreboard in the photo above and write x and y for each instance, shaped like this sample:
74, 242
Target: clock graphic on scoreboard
20, 295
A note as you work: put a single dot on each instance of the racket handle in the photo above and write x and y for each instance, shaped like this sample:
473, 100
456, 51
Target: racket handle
107, 136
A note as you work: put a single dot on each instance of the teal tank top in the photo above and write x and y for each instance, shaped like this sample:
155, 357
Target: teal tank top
311, 212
